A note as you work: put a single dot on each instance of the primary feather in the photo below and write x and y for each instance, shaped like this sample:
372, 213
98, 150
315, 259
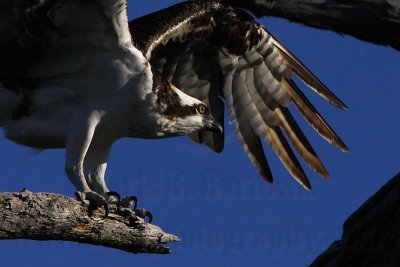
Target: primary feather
214, 51
72, 78
74, 74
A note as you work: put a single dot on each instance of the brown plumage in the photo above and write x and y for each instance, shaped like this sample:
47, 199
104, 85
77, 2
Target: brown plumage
213, 51
311, 115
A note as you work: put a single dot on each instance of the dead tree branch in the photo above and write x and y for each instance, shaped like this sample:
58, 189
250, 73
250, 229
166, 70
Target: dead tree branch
371, 235
45, 216
376, 21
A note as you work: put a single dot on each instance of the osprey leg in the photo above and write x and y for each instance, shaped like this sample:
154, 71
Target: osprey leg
80, 135
95, 165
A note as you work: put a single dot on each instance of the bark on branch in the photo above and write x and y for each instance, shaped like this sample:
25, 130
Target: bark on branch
371, 236
45, 216
376, 21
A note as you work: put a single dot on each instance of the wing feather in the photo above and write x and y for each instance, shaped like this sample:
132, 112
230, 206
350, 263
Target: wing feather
281, 147
311, 115
56, 38
188, 67
299, 141
251, 112
307, 76
265, 106
229, 50
249, 98
249, 140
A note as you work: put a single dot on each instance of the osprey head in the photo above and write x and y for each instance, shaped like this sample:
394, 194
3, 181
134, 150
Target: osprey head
182, 114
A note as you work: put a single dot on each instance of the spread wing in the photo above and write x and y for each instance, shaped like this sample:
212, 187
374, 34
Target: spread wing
50, 38
257, 7
220, 55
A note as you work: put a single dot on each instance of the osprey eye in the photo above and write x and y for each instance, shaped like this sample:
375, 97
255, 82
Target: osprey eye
202, 109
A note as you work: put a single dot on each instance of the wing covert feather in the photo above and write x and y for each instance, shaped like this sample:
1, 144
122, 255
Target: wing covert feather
253, 69
60, 37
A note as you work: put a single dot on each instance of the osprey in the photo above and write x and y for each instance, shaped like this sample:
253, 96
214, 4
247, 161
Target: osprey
76, 75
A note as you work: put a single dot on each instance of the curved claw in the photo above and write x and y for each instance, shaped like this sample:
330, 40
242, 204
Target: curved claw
127, 202
95, 201
116, 195
142, 213
105, 205
80, 197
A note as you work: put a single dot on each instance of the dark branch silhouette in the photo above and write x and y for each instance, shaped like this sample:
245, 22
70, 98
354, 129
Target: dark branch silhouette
45, 216
375, 21
371, 235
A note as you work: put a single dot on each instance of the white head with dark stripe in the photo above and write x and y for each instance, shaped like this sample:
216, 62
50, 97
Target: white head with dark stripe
182, 114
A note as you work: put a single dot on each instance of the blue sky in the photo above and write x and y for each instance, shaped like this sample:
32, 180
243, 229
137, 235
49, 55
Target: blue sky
217, 203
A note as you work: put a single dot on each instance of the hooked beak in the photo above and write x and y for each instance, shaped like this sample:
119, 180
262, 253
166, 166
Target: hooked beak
213, 126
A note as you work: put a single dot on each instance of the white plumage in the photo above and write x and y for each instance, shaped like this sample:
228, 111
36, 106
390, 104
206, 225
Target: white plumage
84, 82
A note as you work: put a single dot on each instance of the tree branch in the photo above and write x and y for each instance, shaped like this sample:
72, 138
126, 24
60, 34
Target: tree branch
376, 21
45, 216
371, 235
